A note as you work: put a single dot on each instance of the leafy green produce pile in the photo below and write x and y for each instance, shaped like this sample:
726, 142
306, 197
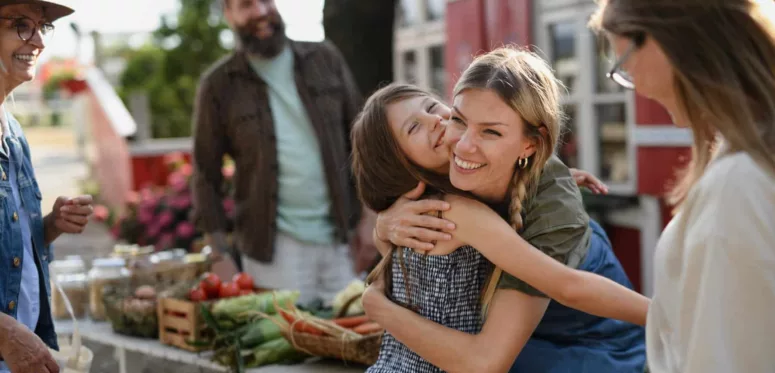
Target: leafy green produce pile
248, 331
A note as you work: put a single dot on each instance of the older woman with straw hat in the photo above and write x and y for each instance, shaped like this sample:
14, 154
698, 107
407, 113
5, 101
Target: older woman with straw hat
26, 327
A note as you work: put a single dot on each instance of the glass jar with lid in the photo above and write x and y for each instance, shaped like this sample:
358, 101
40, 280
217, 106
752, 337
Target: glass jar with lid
70, 274
105, 271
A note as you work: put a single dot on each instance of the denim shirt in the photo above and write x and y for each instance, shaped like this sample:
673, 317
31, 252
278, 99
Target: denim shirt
12, 250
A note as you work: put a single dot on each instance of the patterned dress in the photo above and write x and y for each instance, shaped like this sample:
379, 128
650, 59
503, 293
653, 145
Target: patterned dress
446, 289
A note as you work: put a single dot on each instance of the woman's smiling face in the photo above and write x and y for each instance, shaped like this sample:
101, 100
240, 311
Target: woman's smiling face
418, 125
487, 139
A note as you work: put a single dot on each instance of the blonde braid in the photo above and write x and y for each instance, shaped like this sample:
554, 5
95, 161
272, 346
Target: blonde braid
518, 195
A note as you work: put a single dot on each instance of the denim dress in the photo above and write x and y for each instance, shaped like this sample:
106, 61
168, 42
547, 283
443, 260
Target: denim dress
570, 341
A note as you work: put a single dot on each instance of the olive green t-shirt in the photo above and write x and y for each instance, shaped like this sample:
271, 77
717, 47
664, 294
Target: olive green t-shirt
555, 222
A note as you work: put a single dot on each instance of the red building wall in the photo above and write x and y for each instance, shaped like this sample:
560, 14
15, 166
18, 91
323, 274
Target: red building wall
508, 22
626, 245
466, 37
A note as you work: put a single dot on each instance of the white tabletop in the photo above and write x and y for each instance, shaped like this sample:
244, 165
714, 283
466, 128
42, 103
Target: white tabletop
102, 332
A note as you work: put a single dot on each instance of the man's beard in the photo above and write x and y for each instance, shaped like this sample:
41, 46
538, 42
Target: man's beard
266, 48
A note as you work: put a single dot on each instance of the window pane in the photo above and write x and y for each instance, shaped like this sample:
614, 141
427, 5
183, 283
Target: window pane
437, 73
435, 9
612, 130
410, 67
564, 59
568, 148
408, 13
604, 59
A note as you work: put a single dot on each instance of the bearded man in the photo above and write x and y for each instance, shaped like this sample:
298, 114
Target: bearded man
282, 110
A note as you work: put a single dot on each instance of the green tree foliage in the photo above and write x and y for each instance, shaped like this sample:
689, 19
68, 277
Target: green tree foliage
168, 69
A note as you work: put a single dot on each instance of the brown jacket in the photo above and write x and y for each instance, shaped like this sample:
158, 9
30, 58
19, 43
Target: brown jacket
232, 116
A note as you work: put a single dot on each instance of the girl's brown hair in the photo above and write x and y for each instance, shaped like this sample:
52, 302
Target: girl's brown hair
723, 58
382, 171
527, 84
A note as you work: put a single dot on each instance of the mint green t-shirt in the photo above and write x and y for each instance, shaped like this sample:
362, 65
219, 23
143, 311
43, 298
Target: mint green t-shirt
303, 204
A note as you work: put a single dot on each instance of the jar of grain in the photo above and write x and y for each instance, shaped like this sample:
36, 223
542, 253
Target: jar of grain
105, 271
70, 274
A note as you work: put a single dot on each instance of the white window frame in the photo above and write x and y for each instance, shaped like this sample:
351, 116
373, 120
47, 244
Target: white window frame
585, 98
418, 38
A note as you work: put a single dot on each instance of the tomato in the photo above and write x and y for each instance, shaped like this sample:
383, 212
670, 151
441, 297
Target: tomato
228, 290
211, 284
245, 292
244, 280
196, 294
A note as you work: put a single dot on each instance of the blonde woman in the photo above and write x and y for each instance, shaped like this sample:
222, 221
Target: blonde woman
502, 131
711, 64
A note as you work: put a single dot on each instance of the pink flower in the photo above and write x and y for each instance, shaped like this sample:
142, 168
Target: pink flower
228, 206
181, 202
185, 230
177, 181
101, 213
228, 171
132, 198
153, 230
145, 216
186, 169
147, 194
165, 218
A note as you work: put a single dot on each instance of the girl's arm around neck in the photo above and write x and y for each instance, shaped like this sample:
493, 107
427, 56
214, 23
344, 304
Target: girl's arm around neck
480, 227
512, 318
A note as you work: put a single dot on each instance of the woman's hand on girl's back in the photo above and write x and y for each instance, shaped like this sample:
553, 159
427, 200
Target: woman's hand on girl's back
406, 223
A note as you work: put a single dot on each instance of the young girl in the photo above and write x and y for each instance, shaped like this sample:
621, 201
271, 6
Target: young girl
394, 146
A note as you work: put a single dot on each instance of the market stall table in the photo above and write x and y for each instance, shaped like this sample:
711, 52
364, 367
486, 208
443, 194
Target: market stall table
102, 332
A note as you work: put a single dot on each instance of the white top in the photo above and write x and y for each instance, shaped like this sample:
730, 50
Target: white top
713, 309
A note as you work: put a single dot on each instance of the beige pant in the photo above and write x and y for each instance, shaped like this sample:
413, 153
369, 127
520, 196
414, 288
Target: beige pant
317, 271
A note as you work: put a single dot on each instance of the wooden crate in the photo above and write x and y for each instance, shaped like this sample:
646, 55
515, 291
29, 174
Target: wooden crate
180, 321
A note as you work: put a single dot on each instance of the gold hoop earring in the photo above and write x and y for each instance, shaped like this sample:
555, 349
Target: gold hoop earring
522, 163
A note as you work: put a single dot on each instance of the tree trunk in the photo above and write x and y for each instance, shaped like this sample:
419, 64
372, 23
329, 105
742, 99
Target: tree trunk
363, 31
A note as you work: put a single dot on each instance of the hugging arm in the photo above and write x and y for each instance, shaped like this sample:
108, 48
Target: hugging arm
483, 229
512, 318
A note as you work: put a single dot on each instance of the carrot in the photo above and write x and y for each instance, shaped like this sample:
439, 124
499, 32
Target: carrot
367, 328
298, 324
351, 321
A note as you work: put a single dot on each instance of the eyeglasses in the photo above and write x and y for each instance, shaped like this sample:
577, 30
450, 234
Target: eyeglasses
26, 28
617, 73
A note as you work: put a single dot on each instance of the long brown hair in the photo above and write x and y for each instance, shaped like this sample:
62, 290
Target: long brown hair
382, 171
725, 78
526, 83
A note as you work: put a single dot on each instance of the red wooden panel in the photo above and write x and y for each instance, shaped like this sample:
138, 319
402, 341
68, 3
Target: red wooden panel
626, 245
508, 22
465, 37
650, 112
150, 170
657, 168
